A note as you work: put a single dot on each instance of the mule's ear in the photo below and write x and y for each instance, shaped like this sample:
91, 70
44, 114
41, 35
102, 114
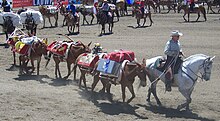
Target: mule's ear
144, 62
89, 43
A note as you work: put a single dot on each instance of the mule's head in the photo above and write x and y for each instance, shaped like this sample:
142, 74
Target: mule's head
40, 47
207, 67
8, 24
142, 73
86, 48
29, 21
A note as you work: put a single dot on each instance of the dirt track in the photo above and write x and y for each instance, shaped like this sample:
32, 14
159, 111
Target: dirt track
46, 98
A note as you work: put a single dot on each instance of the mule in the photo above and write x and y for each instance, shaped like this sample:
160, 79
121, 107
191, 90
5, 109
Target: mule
185, 79
138, 15
129, 72
36, 51
105, 19
46, 14
187, 11
73, 53
30, 24
7, 25
87, 11
72, 22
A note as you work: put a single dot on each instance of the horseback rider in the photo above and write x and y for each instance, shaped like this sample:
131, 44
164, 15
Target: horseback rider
173, 51
192, 4
72, 8
105, 8
142, 5
6, 6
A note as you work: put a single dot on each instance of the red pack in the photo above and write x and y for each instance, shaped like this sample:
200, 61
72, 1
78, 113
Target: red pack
120, 56
57, 48
88, 60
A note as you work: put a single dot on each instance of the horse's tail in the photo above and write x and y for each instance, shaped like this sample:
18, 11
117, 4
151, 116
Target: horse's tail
48, 58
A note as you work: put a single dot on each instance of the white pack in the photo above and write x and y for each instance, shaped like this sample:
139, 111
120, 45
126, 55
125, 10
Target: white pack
37, 16
14, 17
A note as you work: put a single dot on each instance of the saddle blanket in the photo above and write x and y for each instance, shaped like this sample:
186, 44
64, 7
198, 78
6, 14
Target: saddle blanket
14, 17
52, 9
60, 47
37, 16
120, 56
88, 60
21, 48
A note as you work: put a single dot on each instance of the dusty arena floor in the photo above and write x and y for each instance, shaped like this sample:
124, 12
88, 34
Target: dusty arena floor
44, 98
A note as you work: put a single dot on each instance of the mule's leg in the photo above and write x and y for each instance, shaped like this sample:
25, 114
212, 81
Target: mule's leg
50, 22
123, 92
92, 18
138, 22
21, 66
198, 16
188, 16
151, 21
95, 81
56, 19
44, 21
144, 22
38, 65
184, 16
82, 77
14, 56
131, 89
69, 70
77, 27
74, 71
32, 66
84, 17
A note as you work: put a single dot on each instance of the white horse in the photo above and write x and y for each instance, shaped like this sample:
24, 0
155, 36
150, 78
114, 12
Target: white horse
185, 79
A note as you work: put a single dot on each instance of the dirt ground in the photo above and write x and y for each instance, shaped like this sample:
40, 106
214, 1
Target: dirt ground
43, 98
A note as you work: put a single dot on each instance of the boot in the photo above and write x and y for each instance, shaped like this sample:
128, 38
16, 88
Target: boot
168, 81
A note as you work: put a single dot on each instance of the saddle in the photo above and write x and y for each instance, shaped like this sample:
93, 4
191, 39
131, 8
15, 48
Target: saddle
161, 62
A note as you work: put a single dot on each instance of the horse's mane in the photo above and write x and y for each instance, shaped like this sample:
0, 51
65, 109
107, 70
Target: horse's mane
196, 56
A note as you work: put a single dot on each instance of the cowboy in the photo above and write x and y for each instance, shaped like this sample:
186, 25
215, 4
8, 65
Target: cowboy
105, 8
192, 4
142, 5
71, 8
6, 6
173, 51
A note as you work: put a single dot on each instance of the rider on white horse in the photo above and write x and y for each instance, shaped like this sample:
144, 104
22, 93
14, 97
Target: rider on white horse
173, 51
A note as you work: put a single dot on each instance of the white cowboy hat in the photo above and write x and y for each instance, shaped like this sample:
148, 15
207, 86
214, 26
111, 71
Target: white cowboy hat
105, 1
176, 33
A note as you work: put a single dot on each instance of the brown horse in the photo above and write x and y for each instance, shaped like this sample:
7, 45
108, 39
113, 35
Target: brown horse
121, 6
46, 13
197, 10
169, 3
138, 15
36, 51
130, 71
72, 22
105, 19
151, 3
73, 53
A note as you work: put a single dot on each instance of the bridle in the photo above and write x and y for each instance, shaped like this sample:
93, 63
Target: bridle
204, 65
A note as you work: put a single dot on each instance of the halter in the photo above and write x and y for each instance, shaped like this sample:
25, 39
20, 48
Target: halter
203, 65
